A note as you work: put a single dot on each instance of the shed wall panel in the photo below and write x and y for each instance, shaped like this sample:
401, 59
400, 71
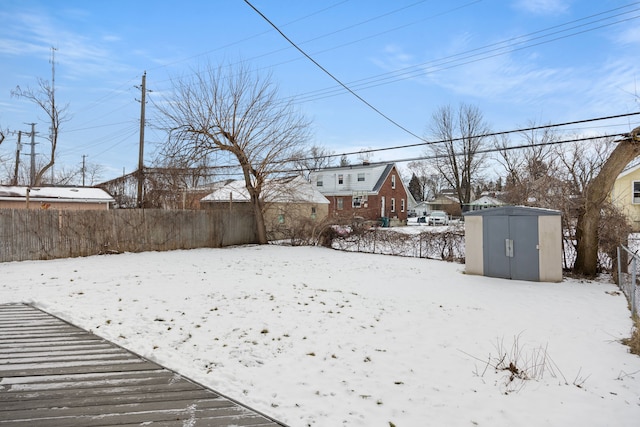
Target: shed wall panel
474, 257
550, 230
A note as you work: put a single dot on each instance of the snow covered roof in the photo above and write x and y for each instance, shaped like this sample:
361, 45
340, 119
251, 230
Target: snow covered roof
487, 201
66, 194
514, 211
282, 190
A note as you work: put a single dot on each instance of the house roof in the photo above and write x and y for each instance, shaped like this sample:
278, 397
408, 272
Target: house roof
487, 201
378, 172
282, 190
631, 168
58, 194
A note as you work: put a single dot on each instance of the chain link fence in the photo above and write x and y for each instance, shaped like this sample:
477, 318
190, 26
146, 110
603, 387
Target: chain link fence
447, 244
628, 269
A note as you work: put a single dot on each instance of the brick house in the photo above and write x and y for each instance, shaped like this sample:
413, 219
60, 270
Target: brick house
368, 191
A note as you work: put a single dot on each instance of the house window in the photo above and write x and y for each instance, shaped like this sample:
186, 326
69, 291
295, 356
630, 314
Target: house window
281, 219
319, 181
636, 192
393, 204
359, 199
340, 203
401, 205
340, 179
361, 177
313, 212
393, 182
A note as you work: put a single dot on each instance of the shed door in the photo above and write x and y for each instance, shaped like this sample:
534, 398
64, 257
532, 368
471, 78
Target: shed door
511, 247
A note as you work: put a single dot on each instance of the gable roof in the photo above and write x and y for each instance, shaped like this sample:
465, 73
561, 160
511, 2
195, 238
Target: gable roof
57, 194
377, 174
294, 189
487, 201
629, 170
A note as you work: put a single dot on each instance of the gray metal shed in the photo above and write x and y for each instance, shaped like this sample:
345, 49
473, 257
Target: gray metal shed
514, 242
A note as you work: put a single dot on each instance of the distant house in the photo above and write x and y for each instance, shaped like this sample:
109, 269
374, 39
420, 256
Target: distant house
368, 191
447, 203
483, 202
287, 201
625, 195
422, 208
70, 198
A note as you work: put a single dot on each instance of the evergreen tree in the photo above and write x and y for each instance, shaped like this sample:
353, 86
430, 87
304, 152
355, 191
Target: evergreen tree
415, 188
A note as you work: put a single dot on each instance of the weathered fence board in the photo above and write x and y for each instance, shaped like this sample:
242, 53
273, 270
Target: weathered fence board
48, 234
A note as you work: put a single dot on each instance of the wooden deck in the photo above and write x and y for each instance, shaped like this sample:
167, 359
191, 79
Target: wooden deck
55, 374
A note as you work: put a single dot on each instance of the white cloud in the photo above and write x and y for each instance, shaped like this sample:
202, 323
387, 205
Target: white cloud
630, 36
542, 7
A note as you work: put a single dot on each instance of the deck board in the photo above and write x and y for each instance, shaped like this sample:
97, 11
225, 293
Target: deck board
55, 374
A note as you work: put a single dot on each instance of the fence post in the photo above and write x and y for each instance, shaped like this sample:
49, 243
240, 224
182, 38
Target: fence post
619, 266
632, 289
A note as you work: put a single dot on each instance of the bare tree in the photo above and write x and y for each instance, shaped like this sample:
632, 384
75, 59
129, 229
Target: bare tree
530, 171
238, 112
430, 182
44, 97
457, 157
313, 159
365, 155
596, 191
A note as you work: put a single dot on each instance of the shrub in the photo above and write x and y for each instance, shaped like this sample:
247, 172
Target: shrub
634, 341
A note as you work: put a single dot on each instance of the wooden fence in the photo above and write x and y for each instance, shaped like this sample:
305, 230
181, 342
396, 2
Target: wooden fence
48, 234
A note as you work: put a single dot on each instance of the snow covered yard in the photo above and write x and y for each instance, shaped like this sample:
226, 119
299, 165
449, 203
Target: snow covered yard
318, 337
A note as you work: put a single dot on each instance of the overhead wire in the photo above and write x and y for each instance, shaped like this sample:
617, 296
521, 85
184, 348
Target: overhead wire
480, 151
406, 74
380, 113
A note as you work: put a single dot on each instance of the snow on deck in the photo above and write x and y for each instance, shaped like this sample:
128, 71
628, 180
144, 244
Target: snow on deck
55, 374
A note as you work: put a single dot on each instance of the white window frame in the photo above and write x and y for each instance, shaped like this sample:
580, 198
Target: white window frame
401, 205
635, 192
340, 179
360, 176
340, 203
393, 182
359, 199
393, 204
319, 181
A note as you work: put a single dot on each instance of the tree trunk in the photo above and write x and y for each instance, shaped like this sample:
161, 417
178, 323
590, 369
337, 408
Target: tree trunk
595, 195
261, 228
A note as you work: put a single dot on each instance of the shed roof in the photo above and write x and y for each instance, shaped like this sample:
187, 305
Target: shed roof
513, 211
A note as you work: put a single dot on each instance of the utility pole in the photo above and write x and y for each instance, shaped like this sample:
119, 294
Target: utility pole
84, 156
143, 89
32, 174
18, 148
53, 130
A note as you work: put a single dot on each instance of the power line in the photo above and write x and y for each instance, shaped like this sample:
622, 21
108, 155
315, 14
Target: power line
471, 56
398, 147
436, 155
380, 113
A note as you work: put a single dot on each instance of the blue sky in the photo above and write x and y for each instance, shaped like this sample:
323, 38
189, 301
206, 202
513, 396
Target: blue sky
519, 61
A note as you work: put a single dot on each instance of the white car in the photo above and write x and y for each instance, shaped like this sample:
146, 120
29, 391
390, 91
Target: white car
438, 218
